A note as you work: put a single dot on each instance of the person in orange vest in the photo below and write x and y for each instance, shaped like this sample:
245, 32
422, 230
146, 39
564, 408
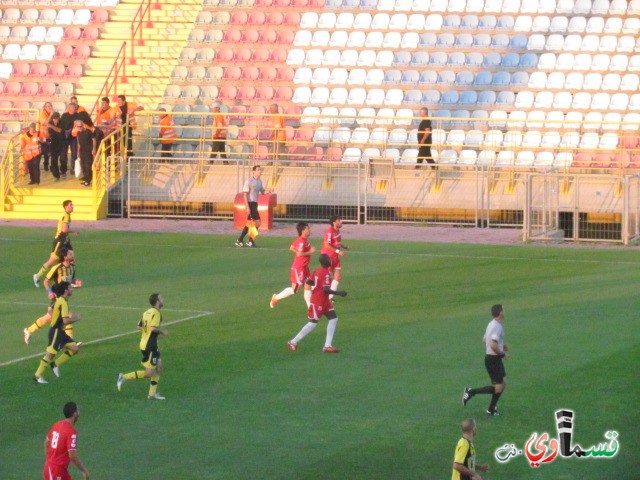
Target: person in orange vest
218, 134
43, 132
105, 120
31, 150
125, 111
167, 134
278, 131
79, 108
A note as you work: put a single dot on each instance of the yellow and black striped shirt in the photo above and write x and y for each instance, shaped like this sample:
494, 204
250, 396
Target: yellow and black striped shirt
66, 218
60, 310
60, 273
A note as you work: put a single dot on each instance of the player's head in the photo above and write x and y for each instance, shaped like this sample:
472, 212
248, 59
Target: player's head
67, 204
62, 253
335, 221
62, 288
301, 227
156, 300
468, 425
256, 171
70, 410
325, 261
496, 310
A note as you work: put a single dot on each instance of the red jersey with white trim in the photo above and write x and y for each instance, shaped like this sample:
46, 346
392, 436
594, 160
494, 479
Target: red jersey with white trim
333, 237
301, 245
61, 438
321, 277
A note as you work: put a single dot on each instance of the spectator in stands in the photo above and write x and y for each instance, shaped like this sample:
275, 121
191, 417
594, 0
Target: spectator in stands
277, 131
106, 120
79, 108
218, 134
167, 134
31, 150
125, 111
424, 138
56, 142
89, 138
67, 121
43, 132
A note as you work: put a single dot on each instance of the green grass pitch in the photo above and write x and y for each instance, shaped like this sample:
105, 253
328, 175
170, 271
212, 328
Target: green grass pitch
240, 405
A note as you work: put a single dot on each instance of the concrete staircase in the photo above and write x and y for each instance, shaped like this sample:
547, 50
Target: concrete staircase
164, 38
45, 202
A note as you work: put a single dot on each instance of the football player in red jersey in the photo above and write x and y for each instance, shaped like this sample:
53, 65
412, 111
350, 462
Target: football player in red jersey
302, 250
333, 247
321, 305
61, 446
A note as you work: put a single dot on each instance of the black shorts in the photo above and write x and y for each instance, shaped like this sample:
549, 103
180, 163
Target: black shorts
60, 242
495, 368
253, 211
58, 338
150, 358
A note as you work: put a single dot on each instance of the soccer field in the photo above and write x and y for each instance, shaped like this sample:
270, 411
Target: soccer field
240, 405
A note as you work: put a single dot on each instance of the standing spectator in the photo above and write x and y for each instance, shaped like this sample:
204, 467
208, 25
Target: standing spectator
61, 446
149, 327
252, 189
43, 132
464, 459
123, 112
425, 138
86, 150
56, 143
79, 108
31, 152
333, 247
105, 120
167, 133
278, 133
58, 337
67, 121
218, 134
496, 350
302, 251
320, 306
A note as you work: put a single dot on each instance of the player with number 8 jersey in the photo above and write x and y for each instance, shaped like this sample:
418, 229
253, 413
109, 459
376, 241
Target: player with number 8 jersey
61, 445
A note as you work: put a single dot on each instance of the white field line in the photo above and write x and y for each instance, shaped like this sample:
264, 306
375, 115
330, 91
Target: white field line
365, 252
111, 337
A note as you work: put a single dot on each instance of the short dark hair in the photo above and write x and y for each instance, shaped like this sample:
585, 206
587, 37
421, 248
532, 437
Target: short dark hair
334, 218
301, 226
325, 260
60, 288
66, 203
105, 99
62, 253
255, 167
69, 409
496, 310
153, 299
122, 97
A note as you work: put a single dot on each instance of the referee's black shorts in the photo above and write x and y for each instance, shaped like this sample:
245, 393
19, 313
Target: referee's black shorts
495, 368
253, 211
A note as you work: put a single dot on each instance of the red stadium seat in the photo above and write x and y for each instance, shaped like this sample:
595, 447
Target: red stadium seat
315, 154
292, 18
246, 93
242, 55
81, 52
582, 160
334, 154
90, 34
239, 17
75, 71
283, 94
285, 37
260, 55
274, 18
263, 3
224, 55
71, 33
250, 36
267, 74
249, 74
264, 93
267, 37
29, 88
232, 36
55, 70
300, 3
281, 3
99, 17
297, 153
261, 152
602, 160
231, 73
47, 89
24, 69
63, 51
227, 93
279, 55
256, 18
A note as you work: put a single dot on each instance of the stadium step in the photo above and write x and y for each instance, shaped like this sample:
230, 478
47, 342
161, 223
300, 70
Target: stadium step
45, 203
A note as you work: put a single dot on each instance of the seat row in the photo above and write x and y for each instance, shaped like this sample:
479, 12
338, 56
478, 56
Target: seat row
50, 16
31, 89
40, 70
241, 17
44, 52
